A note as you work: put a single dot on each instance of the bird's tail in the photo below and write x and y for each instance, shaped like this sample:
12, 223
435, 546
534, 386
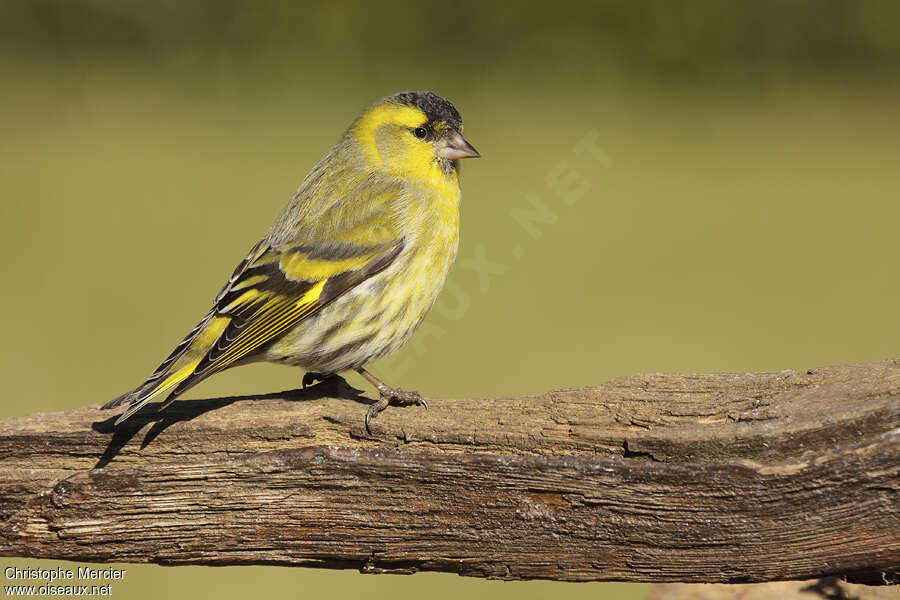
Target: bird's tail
174, 375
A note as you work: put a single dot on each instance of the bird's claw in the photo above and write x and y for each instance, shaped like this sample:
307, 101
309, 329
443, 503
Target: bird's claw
388, 396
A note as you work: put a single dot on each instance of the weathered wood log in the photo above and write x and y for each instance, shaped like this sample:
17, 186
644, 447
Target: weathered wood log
698, 478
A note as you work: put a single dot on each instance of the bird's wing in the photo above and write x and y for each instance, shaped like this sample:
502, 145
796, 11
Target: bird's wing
281, 288
339, 229
271, 291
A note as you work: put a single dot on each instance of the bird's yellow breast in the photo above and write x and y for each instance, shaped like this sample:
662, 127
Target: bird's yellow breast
379, 315
435, 238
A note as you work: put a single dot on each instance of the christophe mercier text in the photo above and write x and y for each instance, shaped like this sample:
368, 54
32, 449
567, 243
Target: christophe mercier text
60, 574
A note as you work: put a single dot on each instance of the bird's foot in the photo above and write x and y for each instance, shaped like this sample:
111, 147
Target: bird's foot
395, 396
310, 378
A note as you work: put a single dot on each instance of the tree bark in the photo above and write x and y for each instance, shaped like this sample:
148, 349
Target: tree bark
719, 478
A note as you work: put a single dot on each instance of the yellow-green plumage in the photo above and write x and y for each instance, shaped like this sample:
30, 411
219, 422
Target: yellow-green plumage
353, 263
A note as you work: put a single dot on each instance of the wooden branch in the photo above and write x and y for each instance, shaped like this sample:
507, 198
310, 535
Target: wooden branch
697, 478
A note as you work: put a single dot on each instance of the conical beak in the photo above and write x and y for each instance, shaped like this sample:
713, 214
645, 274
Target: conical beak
458, 147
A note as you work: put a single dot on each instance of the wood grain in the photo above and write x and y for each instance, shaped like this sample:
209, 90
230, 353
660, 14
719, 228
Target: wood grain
724, 478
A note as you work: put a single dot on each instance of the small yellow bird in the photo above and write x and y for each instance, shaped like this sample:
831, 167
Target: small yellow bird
350, 268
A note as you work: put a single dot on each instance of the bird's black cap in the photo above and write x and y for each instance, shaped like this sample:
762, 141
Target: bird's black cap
434, 107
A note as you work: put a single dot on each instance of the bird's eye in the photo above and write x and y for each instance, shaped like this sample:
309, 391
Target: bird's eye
420, 132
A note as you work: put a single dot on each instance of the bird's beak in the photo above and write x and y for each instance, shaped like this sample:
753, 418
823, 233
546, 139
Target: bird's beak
457, 147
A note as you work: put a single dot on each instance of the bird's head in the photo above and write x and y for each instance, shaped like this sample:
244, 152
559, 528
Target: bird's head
413, 134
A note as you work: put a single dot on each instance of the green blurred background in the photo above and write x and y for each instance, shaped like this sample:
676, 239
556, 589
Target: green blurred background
696, 186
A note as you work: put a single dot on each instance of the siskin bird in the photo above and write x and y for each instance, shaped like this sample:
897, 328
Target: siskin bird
350, 267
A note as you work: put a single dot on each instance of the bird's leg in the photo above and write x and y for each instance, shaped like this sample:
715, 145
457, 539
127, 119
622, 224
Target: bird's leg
310, 377
387, 396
